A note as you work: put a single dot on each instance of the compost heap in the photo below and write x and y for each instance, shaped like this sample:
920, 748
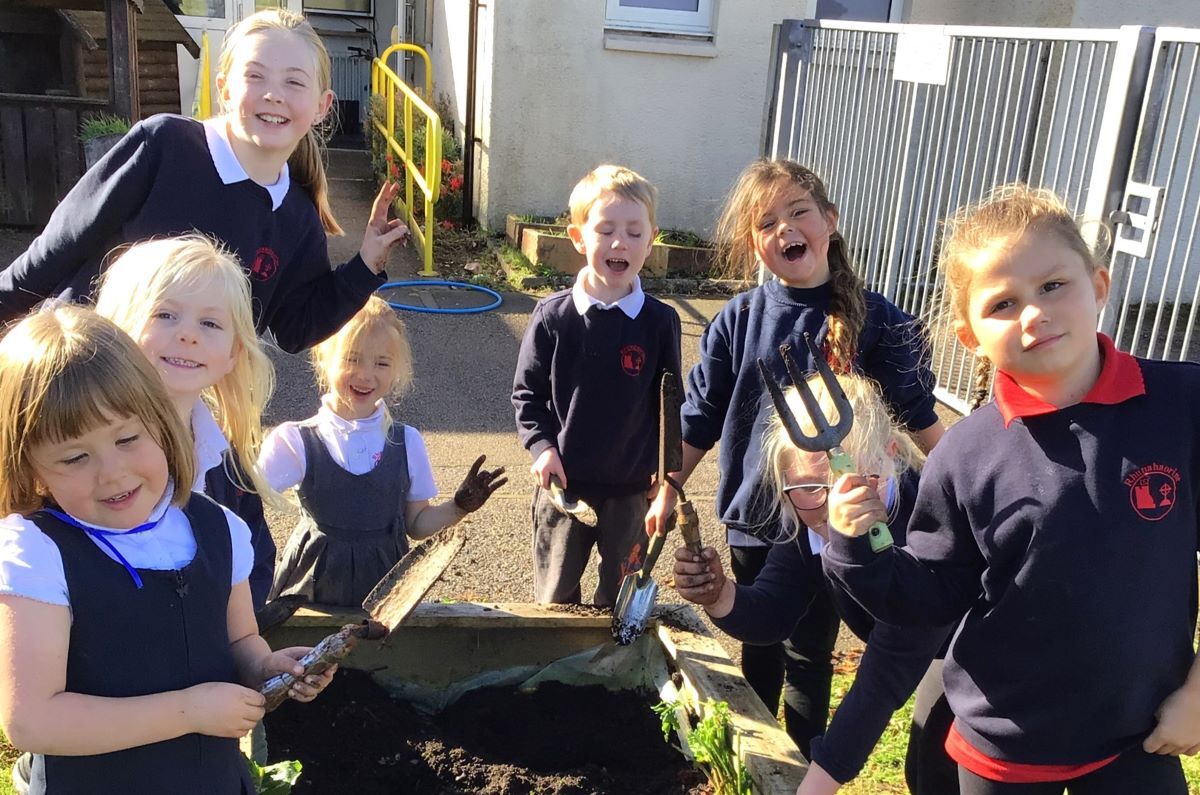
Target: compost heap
559, 740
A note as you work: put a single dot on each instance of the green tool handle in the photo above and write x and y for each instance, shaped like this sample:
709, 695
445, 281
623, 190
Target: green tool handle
840, 464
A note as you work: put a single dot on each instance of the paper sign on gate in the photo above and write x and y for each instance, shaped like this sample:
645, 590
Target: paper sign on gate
922, 55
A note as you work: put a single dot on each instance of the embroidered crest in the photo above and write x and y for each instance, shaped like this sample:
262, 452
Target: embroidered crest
633, 358
1152, 490
265, 265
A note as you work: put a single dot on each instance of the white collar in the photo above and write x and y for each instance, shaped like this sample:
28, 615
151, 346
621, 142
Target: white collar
631, 304
344, 426
210, 443
160, 508
230, 169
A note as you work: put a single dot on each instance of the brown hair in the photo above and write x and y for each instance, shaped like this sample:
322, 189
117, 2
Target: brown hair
330, 356
990, 229
64, 371
624, 182
758, 186
307, 163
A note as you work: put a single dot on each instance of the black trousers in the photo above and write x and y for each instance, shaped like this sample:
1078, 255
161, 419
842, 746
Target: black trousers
928, 769
801, 667
1132, 773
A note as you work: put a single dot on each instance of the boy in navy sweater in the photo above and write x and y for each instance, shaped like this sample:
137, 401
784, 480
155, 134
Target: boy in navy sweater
586, 389
1058, 523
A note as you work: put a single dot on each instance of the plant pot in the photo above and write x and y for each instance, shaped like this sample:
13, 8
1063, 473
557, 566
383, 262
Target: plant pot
96, 148
514, 227
554, 250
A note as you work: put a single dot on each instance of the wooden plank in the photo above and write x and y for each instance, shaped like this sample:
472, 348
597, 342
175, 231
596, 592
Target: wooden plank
14, 192
67, 146
463, 614
772, 759
42, 163
122, 43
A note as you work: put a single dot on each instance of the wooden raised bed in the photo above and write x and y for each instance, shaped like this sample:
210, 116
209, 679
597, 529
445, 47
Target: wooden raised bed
444, 644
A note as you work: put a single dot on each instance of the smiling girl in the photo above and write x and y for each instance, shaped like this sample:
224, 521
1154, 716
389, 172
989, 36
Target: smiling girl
364, 481
779, 217
252, 178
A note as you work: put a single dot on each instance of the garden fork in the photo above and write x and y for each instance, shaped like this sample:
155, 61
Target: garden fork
828, 438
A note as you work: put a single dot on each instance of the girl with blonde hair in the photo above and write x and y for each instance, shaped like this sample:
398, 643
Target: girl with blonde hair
364, 481
252, 178
186, 303
129, 655
791, 582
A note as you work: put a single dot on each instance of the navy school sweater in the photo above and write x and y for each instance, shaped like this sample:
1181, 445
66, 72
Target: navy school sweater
589, 385
1068, 539
895, 660
726, 401
160, 181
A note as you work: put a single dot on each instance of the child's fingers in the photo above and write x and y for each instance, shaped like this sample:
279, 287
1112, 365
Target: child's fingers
383, 202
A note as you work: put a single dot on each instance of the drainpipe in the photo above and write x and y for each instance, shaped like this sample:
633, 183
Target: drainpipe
469, 140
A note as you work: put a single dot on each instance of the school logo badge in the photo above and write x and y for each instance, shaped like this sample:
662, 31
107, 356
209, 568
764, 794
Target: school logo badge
1152, 490
265, 265
633, 358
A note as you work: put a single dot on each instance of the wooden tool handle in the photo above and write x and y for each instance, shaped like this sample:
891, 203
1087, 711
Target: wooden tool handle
319, 659
689, 527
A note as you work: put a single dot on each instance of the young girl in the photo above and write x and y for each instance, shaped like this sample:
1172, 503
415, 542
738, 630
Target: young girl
779, 217
187, 305
128, 649
1060, 519
767, 610
364, 481
252, 178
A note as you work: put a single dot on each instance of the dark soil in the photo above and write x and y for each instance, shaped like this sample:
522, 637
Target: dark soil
560, 740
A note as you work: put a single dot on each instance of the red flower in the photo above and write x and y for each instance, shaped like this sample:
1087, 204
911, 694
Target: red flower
446, 166
393, 169
456, 183
446, 224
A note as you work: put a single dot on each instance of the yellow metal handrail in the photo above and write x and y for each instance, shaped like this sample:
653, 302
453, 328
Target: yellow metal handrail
387, 85
203, 101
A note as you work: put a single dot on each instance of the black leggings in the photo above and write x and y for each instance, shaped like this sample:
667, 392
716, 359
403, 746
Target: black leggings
1132, 773
928, 769
801, 667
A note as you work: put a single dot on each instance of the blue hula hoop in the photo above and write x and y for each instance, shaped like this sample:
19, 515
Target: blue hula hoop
470, 310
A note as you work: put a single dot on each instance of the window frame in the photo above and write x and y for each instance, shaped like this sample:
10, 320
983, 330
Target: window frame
661, 20
310, 10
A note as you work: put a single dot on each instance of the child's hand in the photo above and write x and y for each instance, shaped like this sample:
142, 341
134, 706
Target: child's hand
381, 233
285, 661
817, 782
854, 506
1178, 729
659, 515
223, 709
477, 486
547, 464
702, 581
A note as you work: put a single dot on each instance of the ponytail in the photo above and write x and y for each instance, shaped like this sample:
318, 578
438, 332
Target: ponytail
307, 168
847, 308
982, 388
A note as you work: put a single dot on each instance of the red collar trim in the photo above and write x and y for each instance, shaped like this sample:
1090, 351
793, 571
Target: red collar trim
1120, 379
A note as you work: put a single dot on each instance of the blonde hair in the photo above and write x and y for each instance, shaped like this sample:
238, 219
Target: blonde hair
137, 282
867, 443
757, 187
330, 356
989, 230
65, 371
618, 180
307, 163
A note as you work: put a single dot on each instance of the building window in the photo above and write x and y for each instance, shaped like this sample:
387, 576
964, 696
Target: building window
363, 7
214, 9
690, 17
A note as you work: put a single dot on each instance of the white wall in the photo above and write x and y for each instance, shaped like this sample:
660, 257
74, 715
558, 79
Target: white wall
448, 52
1054, 13
554, 103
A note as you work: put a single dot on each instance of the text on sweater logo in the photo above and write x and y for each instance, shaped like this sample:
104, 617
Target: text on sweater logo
633, 358
1152, 490
266, 263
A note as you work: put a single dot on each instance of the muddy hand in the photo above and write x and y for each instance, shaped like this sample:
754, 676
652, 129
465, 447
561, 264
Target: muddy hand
699, 581
477, 486
381, 233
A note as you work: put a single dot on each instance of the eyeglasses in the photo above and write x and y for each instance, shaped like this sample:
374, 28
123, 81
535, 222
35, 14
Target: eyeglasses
811, 496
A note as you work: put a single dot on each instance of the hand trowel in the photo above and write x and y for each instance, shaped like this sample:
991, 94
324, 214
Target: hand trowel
390, 602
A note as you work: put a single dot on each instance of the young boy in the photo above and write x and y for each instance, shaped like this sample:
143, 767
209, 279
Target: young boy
586, 389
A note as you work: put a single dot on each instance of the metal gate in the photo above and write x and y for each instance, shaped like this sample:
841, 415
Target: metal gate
1156, 277
906, 123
